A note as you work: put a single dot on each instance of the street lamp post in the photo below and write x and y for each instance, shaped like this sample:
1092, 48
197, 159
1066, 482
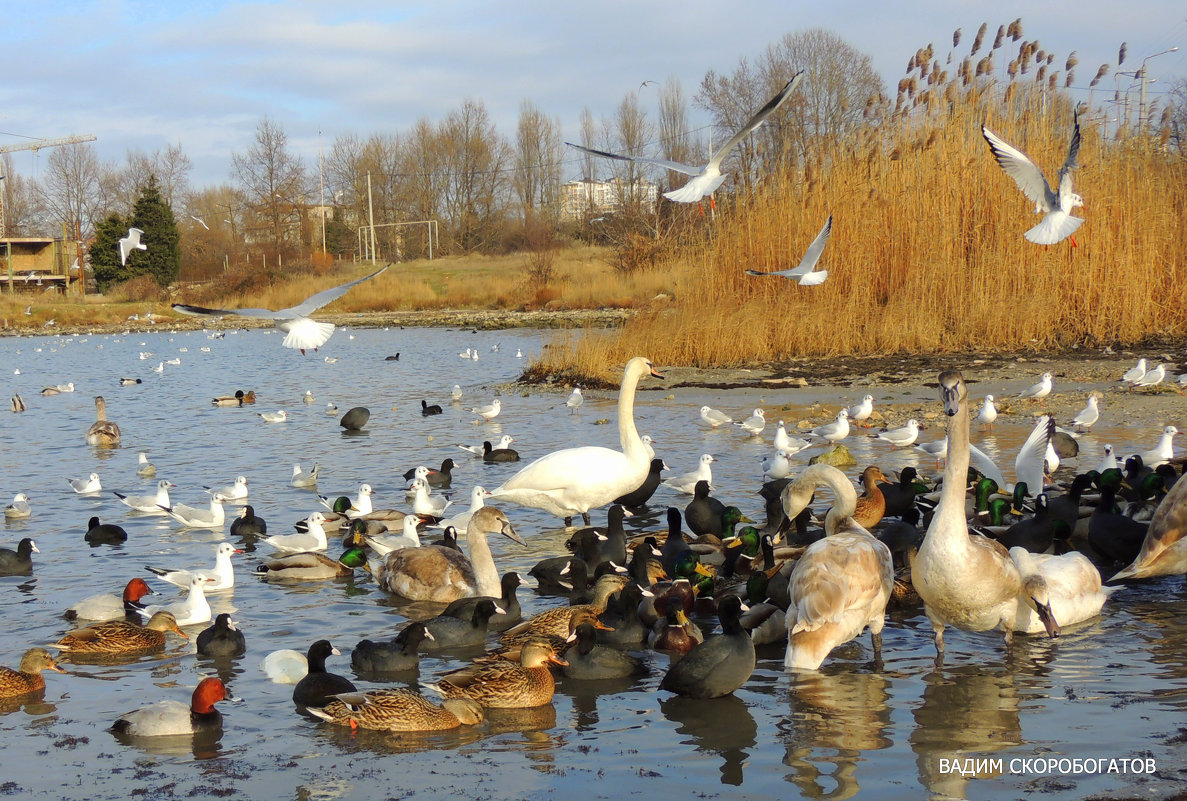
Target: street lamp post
1144, 80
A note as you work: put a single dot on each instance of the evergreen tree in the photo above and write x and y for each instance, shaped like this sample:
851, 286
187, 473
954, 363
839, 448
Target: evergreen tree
105, 253
152, 215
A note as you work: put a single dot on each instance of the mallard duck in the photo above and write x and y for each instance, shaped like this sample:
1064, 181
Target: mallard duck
313, 566
238, 399
318, 687
20, 561
222, 639
102, 431
440, 574
555, 621
720, 664
167, 718
512, 612
398, 709
27, 678
871, 505
503, 684
589, 661
675, 632
398, 656
121, 636
900, 496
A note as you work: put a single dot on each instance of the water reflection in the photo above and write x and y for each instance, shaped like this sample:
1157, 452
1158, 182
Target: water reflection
969, 711
723, 727
835, 716
204, 745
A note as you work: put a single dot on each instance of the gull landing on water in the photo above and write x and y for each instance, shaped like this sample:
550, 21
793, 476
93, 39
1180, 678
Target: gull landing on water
301, 333
805, 273
706, 179
1058, 224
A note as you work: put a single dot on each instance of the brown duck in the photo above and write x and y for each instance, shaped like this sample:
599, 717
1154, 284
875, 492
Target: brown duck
121, 637
871, 505
398, 709
506, 685
27, 679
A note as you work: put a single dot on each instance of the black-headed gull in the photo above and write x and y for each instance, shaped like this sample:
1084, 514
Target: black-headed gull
1058, 224
222, 575
131, 242
313, 538
805, 273
84, 486
193, 610
145, 468
1107, 459
836, 430
788, 444
455, 394
407, 538
575, 400
687, 482
19, 508
901, 437
1152, 377
862, 411
461, 521
152, 504
302, 478
234, 492
714, 418
705, 180
1087, 416
1040, 390
423, 504
1135, 373
193, 517
274, 417
1164, 450
301, 333
988, 413
490, 410
755, 423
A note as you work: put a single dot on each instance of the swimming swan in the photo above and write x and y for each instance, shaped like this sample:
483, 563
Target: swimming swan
575, 480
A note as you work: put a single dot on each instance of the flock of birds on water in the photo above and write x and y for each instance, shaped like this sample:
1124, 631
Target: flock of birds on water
978, 553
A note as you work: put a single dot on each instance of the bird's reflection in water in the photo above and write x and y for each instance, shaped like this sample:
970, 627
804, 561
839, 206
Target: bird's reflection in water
721, 726
834, 718
967, 711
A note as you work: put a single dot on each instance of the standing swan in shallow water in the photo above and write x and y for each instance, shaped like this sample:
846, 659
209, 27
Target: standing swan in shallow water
102, 431
842, 583
575, 480
965, 581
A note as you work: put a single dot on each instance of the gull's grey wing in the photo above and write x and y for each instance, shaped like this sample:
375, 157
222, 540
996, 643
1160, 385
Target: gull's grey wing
1073, 151
1024, 172
759, 118
325, 297
808, 264
266, 314
675, 166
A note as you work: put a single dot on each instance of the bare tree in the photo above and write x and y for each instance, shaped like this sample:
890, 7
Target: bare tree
72, 190
473, 160
272, 180
536, 180
629, 133
171, 167
675, 140
19, 200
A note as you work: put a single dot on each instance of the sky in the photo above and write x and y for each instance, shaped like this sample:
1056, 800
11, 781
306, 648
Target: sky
141, 75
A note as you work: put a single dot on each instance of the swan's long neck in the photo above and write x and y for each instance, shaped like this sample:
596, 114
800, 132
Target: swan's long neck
823, 475
628, 435
951, 506
485, 573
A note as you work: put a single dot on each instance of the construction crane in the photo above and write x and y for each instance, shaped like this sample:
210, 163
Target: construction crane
34, 145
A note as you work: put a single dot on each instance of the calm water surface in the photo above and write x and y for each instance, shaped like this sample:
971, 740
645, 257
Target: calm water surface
1115, 687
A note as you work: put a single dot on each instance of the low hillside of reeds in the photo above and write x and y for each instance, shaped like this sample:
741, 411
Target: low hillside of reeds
927, 251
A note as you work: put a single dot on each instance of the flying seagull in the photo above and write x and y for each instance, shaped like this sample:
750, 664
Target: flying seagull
131, 242
708, 178
805, 273
1058, 224
300, 332
200, 222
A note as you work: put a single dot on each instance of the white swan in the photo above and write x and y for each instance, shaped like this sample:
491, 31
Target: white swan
841, 583
1057, 591
575, 480
965, 581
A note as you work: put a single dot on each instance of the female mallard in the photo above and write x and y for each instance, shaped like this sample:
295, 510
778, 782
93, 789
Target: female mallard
27, 679
506, 685
556, 621
102, 431
121, 636
398, 709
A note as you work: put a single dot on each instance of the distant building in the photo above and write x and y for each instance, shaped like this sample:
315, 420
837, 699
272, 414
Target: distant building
34, 263
579, 197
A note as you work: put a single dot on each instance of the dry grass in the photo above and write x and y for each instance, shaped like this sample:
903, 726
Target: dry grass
927, 252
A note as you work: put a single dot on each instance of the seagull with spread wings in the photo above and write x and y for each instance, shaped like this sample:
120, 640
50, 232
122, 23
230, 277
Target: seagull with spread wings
805, 273
1058, 224
706, 179
131, 242
300, 332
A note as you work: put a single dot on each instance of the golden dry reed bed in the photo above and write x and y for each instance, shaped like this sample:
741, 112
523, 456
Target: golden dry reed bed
927, 251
